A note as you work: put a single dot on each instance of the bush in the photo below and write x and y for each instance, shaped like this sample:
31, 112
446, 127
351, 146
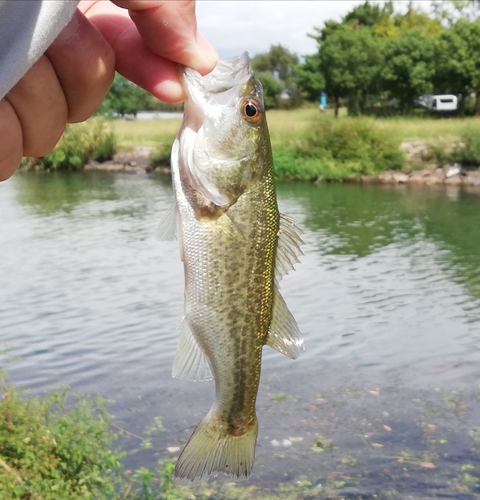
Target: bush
160, 155
340, 149
470, 152
467, 152
51, 449
80, 143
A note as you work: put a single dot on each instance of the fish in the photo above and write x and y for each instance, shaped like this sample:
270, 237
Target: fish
235, 247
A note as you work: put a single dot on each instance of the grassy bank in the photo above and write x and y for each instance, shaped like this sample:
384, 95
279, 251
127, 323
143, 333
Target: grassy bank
289, 128
307, 145
310, 146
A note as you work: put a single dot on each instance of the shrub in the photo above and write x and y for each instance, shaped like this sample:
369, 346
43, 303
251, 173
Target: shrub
160, 154
340, 149
51, 449
470, 152
80, 143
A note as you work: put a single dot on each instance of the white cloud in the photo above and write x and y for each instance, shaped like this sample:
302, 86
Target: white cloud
233, 26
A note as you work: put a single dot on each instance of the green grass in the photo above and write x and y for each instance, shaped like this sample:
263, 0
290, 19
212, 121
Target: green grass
131, 133
290, 128
446, 129
310, 145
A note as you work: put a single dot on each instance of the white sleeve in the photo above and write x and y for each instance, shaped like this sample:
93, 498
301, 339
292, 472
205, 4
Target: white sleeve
27, 28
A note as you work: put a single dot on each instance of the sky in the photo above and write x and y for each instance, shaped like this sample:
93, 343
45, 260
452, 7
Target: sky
235, 26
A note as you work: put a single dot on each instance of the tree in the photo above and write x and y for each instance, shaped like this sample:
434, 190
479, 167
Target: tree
350, 60
275, 70
309, 77
272, 88
124, 98
458, 60
450, 11
368, 14
409, 66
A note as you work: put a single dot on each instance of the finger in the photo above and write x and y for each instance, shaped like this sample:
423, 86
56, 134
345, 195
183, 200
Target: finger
170, 30
85, 66
135, 61
41, 108
11, 134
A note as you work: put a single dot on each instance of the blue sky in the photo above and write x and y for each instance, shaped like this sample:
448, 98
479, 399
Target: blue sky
233, 26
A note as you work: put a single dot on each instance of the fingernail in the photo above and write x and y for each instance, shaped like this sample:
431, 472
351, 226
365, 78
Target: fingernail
208, 53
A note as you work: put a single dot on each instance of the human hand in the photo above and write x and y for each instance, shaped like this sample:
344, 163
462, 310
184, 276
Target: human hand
70, 80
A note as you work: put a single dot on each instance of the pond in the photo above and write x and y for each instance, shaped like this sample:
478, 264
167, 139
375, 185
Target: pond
384, 401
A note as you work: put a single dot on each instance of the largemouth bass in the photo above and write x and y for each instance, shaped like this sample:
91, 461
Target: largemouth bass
235, 247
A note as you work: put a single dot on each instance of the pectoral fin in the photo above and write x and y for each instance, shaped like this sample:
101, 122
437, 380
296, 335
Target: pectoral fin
288, 249
167, 229
284, 335
190, 361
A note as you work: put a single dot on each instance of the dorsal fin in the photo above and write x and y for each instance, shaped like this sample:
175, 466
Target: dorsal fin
288, 248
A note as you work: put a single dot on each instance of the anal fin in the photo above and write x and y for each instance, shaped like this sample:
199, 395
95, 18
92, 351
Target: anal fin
190, 361
284, 335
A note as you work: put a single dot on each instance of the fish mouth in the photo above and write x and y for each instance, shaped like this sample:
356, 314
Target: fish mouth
221, 85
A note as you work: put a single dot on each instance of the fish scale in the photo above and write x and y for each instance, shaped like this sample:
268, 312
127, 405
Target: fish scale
235, 247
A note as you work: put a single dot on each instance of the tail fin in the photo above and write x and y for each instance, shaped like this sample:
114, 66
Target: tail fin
211, 449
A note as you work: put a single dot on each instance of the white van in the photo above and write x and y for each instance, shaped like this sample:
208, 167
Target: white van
445, 102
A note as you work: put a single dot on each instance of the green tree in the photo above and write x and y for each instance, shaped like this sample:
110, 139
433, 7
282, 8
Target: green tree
450, 11
272, 88
124, 98
409, 66
275, 69
350, 60
368, 14
458, 60
279, 61
309, 77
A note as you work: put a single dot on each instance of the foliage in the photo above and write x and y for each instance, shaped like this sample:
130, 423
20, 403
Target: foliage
369, 14
278, 61
451, 11
458, 59
272, 88
160, 154
124, 98
409, 66
469, 153
350, 59
80, 143
381, 60
466, 152
339, 149
53, 449
276, 71
309, 77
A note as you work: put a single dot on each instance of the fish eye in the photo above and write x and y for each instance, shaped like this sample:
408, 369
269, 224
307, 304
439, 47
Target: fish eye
252, 110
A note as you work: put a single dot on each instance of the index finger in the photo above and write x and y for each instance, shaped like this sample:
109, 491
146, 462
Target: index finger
170, 30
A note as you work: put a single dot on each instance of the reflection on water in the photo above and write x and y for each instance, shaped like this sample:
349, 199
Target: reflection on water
390, 276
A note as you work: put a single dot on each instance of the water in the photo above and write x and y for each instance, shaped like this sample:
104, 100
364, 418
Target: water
387, 297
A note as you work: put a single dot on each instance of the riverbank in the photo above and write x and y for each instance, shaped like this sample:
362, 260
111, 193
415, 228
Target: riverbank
139, 161
306, 146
